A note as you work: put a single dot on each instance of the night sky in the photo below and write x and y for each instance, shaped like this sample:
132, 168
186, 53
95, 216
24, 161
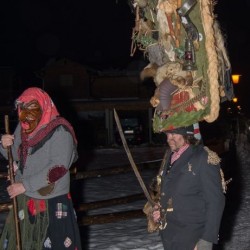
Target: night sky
36, 31
97, 33
234, 20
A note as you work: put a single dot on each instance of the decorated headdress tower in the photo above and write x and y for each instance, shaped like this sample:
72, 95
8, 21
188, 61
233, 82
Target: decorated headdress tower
187, 60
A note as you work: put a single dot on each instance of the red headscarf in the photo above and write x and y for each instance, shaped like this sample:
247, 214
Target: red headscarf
49, 111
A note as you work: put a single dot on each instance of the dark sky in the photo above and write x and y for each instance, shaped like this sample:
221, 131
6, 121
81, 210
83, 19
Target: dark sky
33, 31
87, 31
234, 20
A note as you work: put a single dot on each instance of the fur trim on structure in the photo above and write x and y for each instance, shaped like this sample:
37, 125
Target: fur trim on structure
213, 157
185, 46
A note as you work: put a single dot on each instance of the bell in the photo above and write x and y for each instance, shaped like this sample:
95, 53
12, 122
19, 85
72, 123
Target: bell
189, 57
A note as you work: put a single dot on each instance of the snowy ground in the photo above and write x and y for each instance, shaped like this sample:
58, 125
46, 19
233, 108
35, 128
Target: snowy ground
132, 233
236, 223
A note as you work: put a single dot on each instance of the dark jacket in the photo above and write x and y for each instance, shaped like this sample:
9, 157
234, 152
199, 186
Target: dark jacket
192, 188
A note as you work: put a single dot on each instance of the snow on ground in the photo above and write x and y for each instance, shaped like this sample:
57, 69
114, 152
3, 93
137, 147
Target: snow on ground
132, 234
240, 200
129, 234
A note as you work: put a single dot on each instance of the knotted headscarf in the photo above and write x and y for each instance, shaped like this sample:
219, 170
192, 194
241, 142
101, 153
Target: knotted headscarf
49, 110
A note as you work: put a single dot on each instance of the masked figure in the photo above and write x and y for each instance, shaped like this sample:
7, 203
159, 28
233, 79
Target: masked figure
44, 147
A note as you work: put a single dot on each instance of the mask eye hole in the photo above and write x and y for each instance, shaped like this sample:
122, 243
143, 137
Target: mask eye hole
31, 105
30, 111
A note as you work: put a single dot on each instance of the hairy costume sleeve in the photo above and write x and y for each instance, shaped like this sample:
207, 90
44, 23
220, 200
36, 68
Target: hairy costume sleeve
214, 198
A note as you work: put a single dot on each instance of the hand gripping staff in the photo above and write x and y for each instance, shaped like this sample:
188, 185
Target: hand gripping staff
11, 174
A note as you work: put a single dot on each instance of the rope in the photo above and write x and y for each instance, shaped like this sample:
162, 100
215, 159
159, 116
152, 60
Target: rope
207, 19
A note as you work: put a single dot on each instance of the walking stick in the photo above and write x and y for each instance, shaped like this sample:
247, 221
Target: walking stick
11, 173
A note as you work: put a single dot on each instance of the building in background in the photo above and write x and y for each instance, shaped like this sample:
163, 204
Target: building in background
87, 97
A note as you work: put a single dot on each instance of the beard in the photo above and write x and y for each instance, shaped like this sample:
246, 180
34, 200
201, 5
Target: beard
175, 145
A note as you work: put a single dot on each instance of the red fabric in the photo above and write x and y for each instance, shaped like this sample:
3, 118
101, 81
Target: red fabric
48, 108
56, 173
36, 206
176, 155
196, 131
181, 97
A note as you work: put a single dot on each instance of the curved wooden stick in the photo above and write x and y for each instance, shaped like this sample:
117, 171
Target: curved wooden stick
11, 173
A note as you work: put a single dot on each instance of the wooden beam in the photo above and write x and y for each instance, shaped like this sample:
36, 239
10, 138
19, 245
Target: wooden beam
111, 217
93, 205
115, 170
110, 202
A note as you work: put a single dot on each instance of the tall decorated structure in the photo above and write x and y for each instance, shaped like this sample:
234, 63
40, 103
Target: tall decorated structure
188, 62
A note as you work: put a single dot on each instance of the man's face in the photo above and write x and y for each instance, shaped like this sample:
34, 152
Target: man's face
175, 141
30, 115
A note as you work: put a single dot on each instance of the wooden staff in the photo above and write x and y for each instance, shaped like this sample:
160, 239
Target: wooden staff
11, 173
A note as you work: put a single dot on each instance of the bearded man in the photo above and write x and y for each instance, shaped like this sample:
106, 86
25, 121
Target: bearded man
191, 198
